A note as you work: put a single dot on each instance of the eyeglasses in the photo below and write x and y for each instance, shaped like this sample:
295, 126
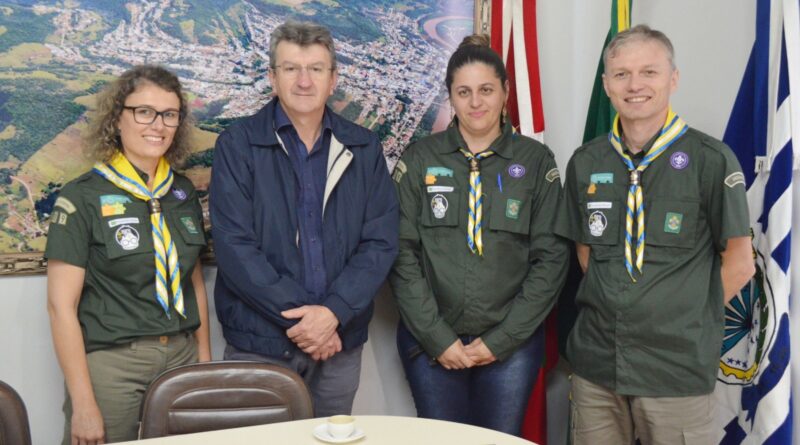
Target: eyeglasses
316, 71
146, 116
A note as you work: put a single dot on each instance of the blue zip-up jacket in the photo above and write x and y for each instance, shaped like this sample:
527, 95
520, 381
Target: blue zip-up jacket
255, 233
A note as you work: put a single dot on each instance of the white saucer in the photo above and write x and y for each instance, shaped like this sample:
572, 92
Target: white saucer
321, 433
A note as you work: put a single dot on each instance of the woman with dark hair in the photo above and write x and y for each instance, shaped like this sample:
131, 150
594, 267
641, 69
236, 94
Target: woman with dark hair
479, 267
125, 288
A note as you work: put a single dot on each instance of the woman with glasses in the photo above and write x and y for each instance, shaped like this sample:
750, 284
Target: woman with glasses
479, 267
124, 284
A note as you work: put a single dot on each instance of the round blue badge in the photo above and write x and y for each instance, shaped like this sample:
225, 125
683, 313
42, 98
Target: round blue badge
178, 193
679, 160
516, 171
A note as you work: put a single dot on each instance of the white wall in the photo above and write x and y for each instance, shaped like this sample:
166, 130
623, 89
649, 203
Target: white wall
712, 39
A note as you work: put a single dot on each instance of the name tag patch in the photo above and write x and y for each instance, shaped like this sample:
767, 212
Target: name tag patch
120, 221
599, 205
440, 188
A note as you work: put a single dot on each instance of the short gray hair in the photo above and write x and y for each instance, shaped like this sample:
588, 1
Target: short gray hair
639, 33
303, 34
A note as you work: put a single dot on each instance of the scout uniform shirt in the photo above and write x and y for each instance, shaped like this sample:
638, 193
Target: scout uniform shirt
105, 230
662, 335
442, 288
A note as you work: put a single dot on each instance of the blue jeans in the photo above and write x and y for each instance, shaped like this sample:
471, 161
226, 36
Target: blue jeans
493, 396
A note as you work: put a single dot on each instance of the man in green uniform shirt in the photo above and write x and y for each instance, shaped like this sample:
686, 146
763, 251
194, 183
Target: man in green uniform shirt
658, 213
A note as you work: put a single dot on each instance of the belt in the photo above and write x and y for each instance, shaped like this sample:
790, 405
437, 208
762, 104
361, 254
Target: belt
164, 339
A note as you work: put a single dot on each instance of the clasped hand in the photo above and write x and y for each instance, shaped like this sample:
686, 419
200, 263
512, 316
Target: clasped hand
458, 356
315, 333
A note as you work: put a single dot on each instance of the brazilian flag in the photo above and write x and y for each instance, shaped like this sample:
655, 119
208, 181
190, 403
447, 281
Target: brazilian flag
601, 112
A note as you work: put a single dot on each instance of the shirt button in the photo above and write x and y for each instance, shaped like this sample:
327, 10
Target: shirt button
316, 268
286, 353
313, 240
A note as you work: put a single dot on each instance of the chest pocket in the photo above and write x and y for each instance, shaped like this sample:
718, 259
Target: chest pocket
187, 234
601, 226
510, 212
128, 234
188, 226
440, 208
672, 223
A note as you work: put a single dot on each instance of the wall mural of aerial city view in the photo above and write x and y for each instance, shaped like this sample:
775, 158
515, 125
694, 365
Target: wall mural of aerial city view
56, 55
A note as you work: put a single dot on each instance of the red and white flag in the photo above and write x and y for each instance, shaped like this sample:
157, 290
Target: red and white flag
513, 35
513, 25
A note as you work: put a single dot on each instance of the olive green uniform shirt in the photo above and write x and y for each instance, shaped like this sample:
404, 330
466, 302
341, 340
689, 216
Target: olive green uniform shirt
443, 289
662, 335
105, 230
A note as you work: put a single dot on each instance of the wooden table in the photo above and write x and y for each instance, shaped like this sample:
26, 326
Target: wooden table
379, 430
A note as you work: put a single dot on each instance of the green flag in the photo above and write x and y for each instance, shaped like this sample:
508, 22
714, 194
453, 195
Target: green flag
601, 112
598, 122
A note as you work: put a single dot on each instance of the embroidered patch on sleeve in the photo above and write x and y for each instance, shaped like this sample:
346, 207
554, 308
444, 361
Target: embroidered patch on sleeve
399, 170
552, 175
734, 179
58, 217
65, 204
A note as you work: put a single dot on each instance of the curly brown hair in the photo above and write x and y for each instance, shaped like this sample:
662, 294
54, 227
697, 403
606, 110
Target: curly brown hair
102, 136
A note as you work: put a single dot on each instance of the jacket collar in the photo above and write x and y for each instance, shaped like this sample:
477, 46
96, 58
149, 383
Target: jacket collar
261, 128
502, 146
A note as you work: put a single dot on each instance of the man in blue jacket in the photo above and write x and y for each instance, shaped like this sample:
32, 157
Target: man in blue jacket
304, 221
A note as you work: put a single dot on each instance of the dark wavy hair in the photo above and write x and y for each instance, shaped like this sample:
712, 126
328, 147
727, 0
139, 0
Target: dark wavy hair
102, 136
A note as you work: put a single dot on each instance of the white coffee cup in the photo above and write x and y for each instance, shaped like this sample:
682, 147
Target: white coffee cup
341, 426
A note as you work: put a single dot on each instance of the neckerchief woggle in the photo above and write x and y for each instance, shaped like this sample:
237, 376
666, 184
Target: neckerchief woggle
673, 129
121, 173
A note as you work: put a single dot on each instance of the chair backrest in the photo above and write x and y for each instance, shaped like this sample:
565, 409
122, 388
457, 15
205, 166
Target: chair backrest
219, 395
14, 428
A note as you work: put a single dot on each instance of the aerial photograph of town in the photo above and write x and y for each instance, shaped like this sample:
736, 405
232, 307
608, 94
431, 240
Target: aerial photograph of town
56, 55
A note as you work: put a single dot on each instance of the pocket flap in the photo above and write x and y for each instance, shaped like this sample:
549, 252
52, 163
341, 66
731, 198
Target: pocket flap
672, 222
510, 213
440, 208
